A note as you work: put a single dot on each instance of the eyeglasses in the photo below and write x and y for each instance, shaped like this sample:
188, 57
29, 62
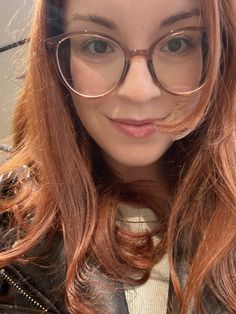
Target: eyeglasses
93, 64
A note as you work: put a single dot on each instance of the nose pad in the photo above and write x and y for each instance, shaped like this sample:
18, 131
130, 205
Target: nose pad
138, 83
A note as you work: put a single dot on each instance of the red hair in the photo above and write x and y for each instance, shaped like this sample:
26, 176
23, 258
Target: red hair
67, 191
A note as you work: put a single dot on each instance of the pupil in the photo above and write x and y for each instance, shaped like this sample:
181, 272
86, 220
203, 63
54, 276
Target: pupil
174, 45
100, 46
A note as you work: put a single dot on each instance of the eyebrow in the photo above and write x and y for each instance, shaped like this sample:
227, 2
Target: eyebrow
94, 19
180, 16
99, 20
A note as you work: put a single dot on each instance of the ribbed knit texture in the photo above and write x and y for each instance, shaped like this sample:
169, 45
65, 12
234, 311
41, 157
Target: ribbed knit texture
151, 297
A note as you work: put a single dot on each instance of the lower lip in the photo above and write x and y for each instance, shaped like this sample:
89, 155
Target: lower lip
138, 131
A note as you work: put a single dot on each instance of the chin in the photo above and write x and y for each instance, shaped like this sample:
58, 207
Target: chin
137, 162
135, 159
124, 158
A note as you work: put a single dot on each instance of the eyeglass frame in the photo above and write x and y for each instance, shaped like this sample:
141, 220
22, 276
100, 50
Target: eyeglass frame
53, 43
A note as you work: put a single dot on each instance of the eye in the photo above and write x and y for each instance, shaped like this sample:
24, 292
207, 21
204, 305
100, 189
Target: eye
178, 45
175, 44
96, 46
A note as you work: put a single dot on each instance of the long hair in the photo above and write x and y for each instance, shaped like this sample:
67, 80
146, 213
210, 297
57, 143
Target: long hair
67, 192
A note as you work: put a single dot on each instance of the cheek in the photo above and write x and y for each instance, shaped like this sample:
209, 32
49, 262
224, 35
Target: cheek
184, 109
181, 75
181, 106
95, 78
86, 79
84, 108
190, 103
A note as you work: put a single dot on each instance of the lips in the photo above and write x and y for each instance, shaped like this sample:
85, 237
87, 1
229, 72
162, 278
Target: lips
135, 128
137, 122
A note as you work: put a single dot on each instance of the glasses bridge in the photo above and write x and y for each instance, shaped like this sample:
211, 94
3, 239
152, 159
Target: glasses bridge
138, 52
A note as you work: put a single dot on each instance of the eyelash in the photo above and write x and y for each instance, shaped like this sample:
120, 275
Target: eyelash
191, 44
86, 44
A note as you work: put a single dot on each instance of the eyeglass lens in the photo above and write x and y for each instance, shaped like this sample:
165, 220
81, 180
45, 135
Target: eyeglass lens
92, 65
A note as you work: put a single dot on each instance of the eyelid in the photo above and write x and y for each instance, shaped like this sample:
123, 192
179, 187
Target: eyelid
181, 33
188, 42
86, 44
92, 39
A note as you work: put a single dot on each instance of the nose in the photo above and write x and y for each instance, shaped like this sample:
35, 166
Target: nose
138, 85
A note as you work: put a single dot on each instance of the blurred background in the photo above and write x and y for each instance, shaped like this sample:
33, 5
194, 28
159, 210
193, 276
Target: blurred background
15, 21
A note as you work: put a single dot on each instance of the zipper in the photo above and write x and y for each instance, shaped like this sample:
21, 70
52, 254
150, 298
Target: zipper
13, 283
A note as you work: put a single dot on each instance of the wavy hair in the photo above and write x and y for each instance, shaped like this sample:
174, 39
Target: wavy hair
67, 191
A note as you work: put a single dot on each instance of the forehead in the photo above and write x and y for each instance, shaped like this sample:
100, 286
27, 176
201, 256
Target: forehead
141, 8
131, 11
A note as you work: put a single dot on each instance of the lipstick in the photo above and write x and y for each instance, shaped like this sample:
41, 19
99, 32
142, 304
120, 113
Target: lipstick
135, 128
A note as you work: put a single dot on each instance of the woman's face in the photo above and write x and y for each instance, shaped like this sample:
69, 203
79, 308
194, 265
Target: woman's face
124, 123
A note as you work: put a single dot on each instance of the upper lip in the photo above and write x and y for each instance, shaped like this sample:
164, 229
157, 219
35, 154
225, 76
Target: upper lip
137, 121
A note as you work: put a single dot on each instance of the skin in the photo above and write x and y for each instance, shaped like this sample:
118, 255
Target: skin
138, 25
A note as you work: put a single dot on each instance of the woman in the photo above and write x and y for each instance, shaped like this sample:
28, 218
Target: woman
119, 195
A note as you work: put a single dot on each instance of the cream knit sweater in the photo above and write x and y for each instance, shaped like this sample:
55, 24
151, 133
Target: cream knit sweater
151, 297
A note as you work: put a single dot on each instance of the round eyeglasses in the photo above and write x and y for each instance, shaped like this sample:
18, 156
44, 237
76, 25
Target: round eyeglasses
93, 64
